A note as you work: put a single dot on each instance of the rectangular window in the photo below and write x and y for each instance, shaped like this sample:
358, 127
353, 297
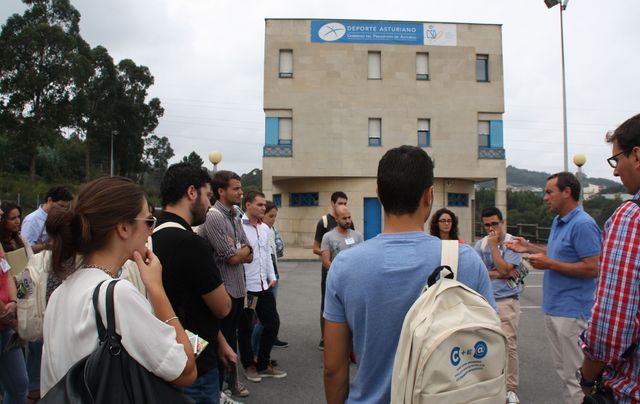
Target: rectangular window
454, 199
285, 131
422, 66
424, 134
277, 200
375, 132
375, 71
298, 199
484, 134
286, 63
482, 67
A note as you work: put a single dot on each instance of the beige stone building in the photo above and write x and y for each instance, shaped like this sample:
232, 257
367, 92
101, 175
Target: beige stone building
339, 93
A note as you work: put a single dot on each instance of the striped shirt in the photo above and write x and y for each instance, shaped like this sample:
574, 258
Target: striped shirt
615, 323
223, 230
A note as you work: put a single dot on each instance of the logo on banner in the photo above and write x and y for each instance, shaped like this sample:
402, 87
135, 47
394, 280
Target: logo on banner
332, 31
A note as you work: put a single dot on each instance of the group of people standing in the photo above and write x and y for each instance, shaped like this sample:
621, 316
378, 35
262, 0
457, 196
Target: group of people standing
218, 285
590, 287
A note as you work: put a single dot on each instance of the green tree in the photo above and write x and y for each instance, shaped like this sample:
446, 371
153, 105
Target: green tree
41, 57
194, 159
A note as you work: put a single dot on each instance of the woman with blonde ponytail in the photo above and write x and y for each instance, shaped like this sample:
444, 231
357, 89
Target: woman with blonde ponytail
108, 223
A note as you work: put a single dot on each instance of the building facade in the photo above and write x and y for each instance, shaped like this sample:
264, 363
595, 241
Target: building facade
339, 93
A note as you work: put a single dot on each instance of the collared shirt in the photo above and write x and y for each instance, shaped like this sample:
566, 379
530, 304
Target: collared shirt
573, 237
33, 227
225, 235
259, 272
501, 288
615, 321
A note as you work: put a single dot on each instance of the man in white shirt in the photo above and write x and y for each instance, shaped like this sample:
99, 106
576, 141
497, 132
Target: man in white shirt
260, 279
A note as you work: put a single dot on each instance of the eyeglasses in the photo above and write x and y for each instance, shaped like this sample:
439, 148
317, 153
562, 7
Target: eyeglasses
149, 221
613, 160
446, 221
490, 225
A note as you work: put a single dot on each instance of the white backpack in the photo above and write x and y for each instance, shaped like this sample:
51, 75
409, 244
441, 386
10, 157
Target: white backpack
32, 290
451, 348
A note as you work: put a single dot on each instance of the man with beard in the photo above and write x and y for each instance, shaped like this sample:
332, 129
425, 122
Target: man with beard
190, 275
223, 231
340, 238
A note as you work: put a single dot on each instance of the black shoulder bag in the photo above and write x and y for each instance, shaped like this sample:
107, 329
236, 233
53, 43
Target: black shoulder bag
109, 374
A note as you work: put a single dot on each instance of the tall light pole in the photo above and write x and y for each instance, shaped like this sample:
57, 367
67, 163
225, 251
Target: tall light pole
563, 6
113, 132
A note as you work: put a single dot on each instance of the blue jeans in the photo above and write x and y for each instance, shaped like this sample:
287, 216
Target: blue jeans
13, 371
206, 389
34, 357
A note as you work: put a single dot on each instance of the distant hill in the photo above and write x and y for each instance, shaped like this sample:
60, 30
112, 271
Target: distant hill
520, 177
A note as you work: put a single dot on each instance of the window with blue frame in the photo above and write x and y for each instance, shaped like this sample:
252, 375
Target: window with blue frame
297, 199
277, 200
375, 132
455, 199
484, 134
424, 133
490, 134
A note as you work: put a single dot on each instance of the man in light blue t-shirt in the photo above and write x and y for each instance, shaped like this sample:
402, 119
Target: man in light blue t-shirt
570, 264
371, 287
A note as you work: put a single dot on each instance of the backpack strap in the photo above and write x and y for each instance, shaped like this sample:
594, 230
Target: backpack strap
165, 225
449, 256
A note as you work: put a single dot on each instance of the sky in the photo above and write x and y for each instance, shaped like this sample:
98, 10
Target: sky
207, 57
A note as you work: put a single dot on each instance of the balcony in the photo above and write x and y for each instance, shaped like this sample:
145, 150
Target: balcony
277, 150
496, 153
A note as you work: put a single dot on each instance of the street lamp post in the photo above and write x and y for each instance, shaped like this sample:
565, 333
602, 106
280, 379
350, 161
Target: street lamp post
215, 157
579, 160
111, 168
563, 6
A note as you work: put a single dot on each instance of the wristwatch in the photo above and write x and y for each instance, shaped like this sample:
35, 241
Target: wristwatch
582, 381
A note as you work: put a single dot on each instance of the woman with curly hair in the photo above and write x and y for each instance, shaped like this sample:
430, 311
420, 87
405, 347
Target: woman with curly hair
444, 225
10, 236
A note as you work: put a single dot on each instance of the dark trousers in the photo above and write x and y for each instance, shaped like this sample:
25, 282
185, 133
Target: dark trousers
229, 328
268, 316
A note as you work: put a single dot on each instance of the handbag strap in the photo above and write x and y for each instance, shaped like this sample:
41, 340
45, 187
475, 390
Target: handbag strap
109, 335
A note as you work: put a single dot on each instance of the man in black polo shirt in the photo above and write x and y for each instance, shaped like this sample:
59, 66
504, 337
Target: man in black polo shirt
190, 276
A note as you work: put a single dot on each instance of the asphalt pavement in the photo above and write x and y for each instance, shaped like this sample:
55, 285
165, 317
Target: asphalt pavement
299, 308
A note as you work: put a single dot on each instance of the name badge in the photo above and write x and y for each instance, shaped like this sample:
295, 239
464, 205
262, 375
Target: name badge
5, 266
238, 245
349, 241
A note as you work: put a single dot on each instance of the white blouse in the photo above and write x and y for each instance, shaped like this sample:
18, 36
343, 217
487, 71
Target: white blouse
70, 331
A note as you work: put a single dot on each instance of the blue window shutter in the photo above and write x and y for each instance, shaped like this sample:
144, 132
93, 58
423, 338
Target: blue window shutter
271, 131
496, 137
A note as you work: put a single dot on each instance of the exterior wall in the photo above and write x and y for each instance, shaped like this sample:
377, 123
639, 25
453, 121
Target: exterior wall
330, 101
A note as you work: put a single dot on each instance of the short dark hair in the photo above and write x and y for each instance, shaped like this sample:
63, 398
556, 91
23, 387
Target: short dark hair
178, 178
251, 196
491, 211
270, 205
58, 194
566, 179
404, 173
434, 230
627, 135
221, 179
338, 194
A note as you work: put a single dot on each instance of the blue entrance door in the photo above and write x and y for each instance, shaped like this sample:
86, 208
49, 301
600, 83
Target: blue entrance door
372, 217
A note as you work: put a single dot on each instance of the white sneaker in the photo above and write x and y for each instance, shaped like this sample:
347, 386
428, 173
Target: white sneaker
225, 399
512, 397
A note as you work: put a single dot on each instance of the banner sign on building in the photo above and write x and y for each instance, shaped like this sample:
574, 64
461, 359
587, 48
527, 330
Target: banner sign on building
383, 32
